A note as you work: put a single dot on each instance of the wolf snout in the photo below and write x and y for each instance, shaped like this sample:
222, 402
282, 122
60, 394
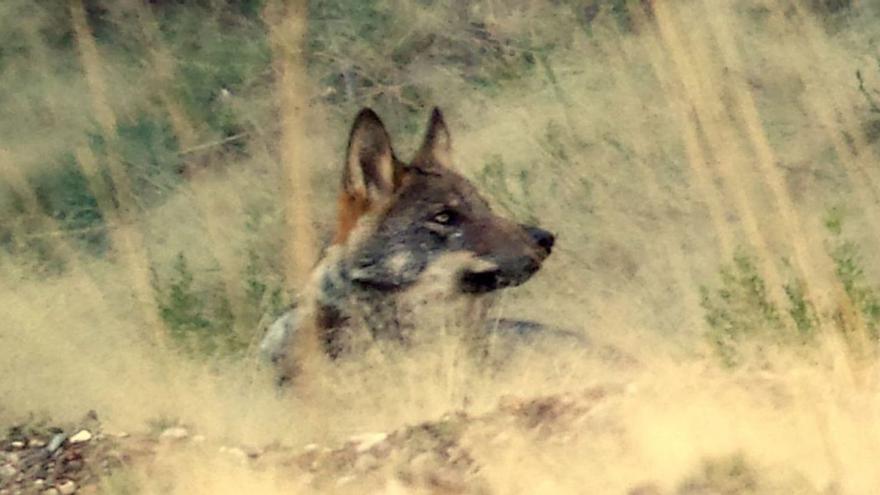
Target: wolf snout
543, 238
506, 273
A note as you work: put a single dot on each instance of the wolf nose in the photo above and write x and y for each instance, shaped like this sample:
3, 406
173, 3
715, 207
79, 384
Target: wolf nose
542, 237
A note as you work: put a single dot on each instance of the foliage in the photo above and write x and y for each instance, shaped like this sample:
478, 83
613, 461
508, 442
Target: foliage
390, 55
740, 308
849, 267
198, 319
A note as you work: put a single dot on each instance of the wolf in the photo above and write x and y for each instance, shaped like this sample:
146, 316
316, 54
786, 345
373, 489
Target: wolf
412, 240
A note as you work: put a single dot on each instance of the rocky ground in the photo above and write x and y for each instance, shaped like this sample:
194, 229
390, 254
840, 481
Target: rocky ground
432, 457
53, 460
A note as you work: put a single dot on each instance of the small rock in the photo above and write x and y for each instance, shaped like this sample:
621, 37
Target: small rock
50, 491
174, 433
39, 483
56, 442
36, 443
7, 471
235, 452
312, 447
367, 441
18, 444
66, 487
81, 436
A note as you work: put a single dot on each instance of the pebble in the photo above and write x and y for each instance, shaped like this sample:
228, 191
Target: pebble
18, 444
50, 491
235, 452
367, 441
81, 436
36, 443
67, 487
174, 433
56, 442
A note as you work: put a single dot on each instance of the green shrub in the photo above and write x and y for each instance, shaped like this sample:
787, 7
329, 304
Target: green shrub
64, 194
739, 309
865, 297
198, 318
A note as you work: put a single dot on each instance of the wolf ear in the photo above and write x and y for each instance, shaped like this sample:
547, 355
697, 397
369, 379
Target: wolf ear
370, 166
437, 147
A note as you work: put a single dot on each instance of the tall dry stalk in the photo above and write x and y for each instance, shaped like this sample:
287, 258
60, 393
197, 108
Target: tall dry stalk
710, 118
122, 217
185, 130
619, 60
703, 175
858, 158
288, 23
15, 178
812, 268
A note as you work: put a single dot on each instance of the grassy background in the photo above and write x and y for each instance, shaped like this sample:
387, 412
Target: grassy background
710, 169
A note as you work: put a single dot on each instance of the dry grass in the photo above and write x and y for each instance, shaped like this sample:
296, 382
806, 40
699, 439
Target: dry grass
654, 155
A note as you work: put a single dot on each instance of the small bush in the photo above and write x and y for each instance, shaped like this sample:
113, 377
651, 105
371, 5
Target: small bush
64, 194
199, 320
741, 312
739, 309
864, 296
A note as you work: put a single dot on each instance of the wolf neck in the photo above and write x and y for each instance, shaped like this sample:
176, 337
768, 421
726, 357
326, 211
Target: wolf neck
348, 314
344, 308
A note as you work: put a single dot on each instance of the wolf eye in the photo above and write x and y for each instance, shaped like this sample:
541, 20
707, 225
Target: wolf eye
445, 217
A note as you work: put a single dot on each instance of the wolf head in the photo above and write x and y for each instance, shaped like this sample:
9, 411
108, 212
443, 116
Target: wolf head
397, 220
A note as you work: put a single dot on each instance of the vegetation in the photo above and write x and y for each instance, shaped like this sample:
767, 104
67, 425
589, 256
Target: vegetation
709, 168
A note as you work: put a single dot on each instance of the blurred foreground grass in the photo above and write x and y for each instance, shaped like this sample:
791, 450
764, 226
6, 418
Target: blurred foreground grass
711, 169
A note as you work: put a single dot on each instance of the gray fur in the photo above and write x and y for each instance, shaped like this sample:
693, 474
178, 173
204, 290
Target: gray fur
279, 337
424, 250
